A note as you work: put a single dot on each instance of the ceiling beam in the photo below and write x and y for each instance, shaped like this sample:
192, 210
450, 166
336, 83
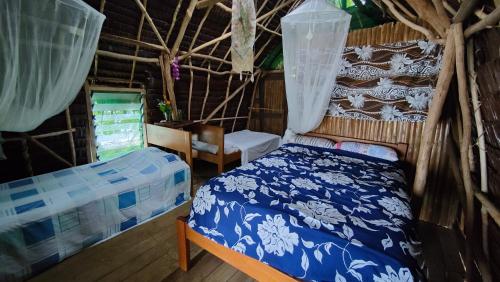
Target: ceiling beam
206, 3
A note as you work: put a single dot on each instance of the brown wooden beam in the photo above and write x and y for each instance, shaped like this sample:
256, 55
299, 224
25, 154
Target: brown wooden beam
433, 117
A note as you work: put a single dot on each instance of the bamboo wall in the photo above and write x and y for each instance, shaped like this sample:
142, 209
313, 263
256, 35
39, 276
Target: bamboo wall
269, 110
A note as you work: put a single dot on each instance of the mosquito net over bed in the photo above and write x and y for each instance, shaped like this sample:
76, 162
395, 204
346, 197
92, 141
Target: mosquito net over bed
46, 50
314, 36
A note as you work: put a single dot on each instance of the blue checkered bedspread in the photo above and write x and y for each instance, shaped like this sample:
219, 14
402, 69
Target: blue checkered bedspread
46, 218
316, 214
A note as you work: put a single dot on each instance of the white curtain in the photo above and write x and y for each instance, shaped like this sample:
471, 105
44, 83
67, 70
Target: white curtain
46, 50
314, 36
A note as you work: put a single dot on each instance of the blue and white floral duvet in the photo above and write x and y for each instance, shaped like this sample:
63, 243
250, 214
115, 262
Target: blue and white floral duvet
315, 214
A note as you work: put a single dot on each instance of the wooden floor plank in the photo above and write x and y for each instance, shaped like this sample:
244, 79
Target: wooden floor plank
201, 268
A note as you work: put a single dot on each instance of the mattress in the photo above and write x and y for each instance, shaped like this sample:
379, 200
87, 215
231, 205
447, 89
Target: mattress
315, 214
252, 144
46, 218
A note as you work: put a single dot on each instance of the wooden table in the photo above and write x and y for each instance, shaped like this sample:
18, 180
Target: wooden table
181, 124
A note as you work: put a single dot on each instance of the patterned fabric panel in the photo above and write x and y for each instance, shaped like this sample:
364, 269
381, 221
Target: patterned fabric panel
387, 82
46, 218
314, 213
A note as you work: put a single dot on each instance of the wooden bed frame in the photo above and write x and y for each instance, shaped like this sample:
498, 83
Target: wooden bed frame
246, 264
152, 231
172, 139
213, 135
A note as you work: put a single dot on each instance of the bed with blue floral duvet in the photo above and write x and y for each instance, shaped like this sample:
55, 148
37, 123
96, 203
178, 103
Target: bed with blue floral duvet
310, 213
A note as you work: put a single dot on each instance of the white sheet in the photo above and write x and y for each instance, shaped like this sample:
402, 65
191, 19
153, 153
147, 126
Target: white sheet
251, 144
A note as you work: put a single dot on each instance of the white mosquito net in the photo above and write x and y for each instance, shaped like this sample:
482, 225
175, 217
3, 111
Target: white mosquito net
314, 36
46, 50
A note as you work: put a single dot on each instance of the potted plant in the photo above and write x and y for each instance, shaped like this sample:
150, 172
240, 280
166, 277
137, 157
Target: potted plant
166, 109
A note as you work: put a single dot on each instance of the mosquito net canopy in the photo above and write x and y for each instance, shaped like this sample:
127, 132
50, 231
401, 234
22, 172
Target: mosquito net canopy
314, 36
46, 49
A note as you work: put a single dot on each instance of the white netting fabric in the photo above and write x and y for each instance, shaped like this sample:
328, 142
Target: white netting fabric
46, 50
314, 36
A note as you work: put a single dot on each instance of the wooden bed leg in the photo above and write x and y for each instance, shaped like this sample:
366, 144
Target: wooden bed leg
220, 167
183, 244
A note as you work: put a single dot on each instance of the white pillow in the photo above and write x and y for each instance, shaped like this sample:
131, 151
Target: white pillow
291, 137
377, 151
204, 147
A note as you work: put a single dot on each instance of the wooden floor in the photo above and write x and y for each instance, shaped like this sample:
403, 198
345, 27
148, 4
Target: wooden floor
209, 268
149, 253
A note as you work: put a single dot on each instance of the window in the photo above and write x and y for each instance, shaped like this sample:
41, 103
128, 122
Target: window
117, 119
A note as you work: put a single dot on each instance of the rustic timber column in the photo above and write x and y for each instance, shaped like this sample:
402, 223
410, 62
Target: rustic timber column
434, 115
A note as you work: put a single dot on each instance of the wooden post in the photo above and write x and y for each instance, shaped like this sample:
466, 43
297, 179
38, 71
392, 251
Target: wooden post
152, 25
183, 244
174, 20
255, 88
136, 52
190, 89
26, 157
227, 95
169, 81
464, 147
47, 149
96, 59
238, 109
70, 136
184, 24
206, 93
238, 90
440, 93
477, 116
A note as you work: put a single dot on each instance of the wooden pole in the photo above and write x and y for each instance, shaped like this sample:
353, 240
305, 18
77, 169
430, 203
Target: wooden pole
130, 41
174, 20
227, 35
191, 67
227, 95
26, 156
238, 109
136, 52
101, 10
152, 25
407, 22
184, 24
206, 93
70, 136
238, 90
169, 82
126, 57
255, 88
426, 144
206, 3
47, 149
477, 116
428, 13
465, 10
491, 19
464, 147
190, 89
